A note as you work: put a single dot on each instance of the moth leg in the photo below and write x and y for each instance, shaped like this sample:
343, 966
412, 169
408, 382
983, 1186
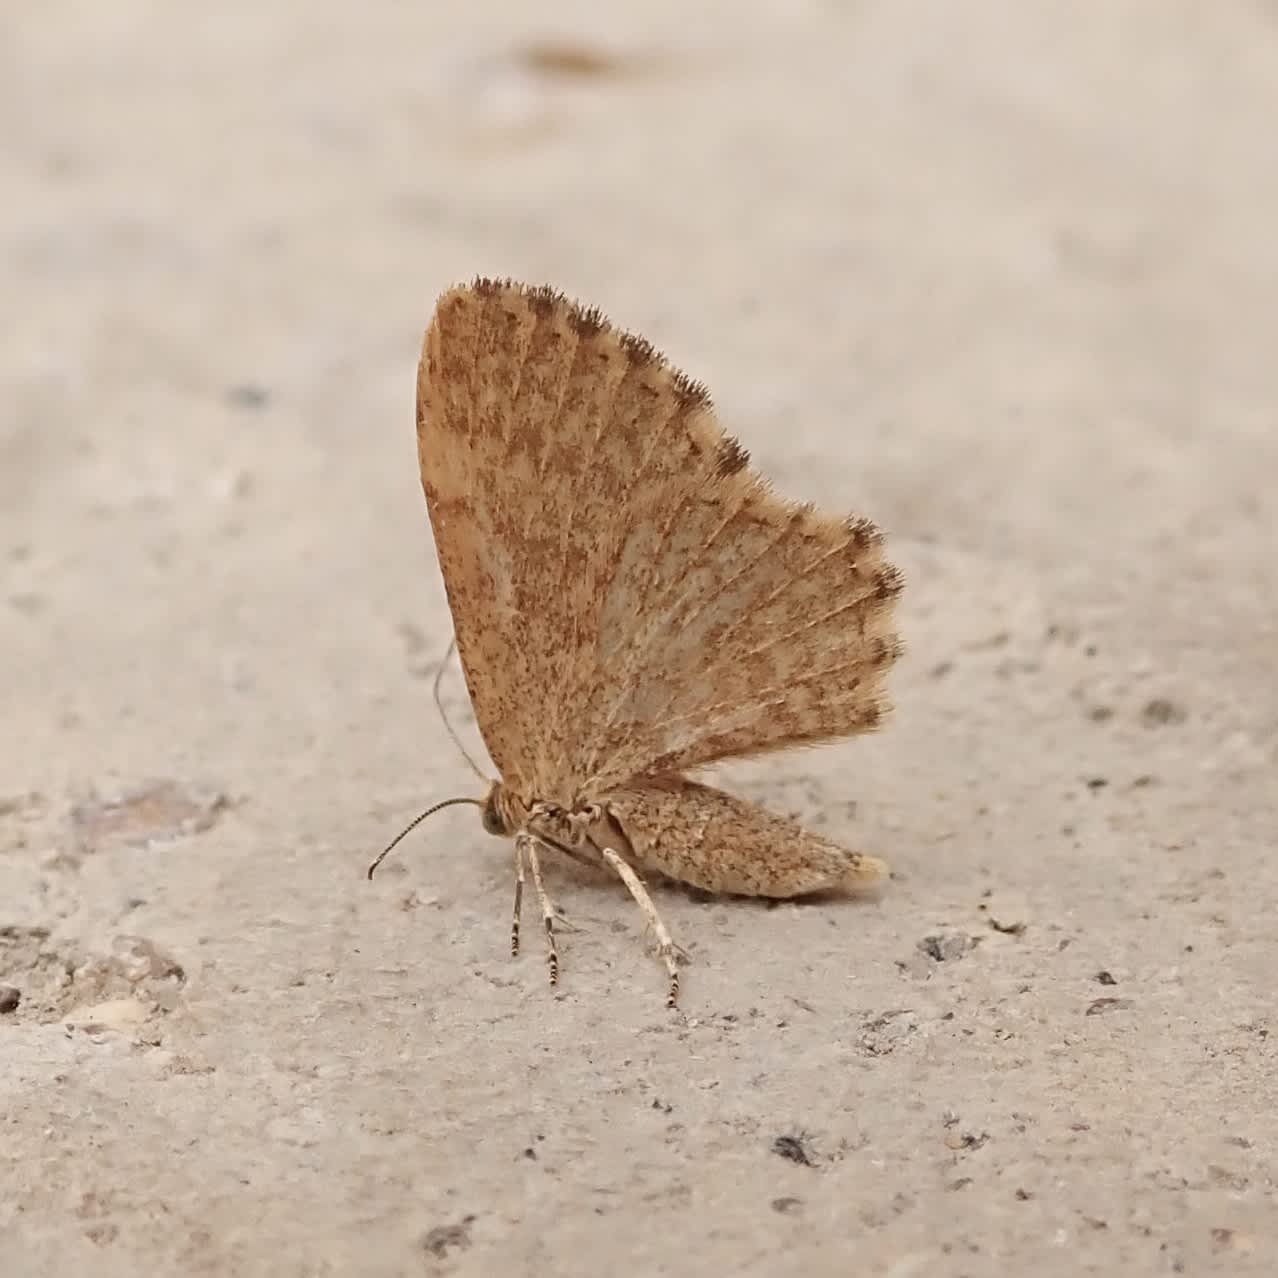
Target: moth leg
519, 895
547, 910
665, 943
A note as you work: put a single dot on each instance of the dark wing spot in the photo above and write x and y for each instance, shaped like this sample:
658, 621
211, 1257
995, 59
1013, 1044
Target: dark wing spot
872, 715
731, 457
543, 300
639, 350
883, 652
453, 305
692, 394
587, 322
863, 534
888, 583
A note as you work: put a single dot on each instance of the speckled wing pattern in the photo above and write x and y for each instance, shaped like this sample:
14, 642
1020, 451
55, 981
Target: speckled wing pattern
630, 598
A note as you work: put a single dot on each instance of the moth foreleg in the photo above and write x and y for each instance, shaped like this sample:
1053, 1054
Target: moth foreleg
519, 896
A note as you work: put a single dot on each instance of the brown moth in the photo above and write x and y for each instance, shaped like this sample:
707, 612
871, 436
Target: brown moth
632, 602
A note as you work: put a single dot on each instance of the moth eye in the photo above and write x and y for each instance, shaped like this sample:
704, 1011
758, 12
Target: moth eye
492, 820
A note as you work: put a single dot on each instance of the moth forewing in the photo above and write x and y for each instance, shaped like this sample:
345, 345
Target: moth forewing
632, 601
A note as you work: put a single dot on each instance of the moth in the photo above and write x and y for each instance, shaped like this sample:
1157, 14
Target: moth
632, 602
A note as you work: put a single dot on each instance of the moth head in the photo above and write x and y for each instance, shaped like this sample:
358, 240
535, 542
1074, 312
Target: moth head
494, 815
503, 811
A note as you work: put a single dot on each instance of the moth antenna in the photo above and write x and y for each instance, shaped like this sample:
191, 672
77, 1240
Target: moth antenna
439, 705
413, 824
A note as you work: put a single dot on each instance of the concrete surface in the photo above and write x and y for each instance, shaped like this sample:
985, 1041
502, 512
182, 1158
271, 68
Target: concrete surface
1003, 276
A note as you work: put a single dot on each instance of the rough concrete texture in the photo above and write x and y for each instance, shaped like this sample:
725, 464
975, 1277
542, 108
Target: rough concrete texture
1004, 278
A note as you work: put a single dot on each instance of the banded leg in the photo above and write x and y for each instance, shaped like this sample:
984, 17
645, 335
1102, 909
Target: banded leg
547, 910
519, 898
665, 943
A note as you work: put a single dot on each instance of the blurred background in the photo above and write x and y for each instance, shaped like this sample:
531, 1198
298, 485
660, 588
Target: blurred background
1002, 278
1001, 275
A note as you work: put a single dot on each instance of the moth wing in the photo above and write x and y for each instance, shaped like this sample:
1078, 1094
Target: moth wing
720, 843
628, 595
